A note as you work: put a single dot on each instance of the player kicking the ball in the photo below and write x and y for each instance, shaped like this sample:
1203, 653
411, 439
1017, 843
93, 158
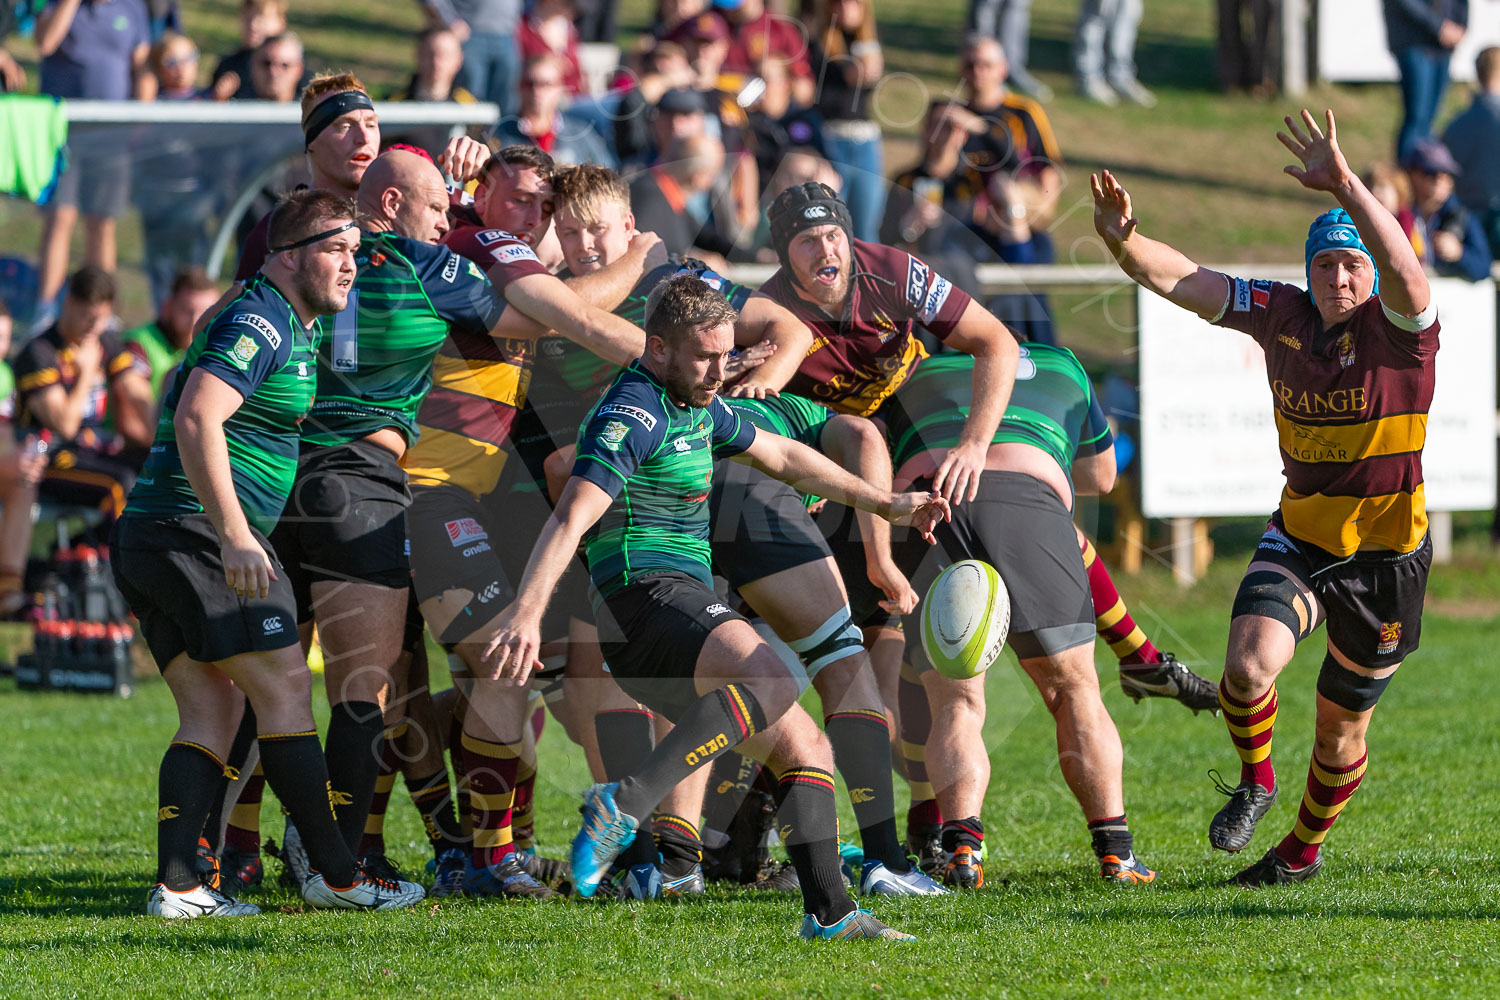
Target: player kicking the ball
1350, 363
1052, 444
639, 491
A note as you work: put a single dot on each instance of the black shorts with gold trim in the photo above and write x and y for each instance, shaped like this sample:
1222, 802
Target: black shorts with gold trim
1372, 602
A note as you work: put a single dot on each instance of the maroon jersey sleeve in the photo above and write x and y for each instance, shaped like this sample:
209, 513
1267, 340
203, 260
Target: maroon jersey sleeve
1415, 336
254, 251
1261, 308
503, 257
915, 291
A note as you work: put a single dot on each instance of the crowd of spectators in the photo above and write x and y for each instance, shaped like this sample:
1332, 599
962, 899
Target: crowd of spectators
718, 106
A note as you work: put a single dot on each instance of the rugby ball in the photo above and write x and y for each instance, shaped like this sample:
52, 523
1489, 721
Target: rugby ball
965, 619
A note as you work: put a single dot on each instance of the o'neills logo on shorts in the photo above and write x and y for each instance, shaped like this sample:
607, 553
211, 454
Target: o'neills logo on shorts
1390, 638
465, 531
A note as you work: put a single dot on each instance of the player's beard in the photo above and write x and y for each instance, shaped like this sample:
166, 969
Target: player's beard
830, 297
322, 299
683, 387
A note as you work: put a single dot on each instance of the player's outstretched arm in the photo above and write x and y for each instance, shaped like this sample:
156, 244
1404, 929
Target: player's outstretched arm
206, 403
512, 652
762, 320
809, 471
1150, 263
552, 304
1403, 284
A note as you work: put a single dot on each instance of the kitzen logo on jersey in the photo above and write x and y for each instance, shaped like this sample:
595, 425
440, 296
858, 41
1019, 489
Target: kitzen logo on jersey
260, 325
465, 531
635, 413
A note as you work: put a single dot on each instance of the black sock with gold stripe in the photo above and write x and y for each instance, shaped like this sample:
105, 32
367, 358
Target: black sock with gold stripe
356, 740
626, 737
721, 719
297, 773
807, 818
189, 779
239, 754
862, 753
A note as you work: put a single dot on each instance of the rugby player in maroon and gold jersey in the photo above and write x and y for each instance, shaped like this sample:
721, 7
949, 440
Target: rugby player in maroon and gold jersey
1350, 365
863, 302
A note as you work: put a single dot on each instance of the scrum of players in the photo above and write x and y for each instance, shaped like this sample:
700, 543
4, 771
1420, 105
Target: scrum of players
621, 486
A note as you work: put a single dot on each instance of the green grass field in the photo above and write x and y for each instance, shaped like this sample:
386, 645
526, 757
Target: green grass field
1405, 907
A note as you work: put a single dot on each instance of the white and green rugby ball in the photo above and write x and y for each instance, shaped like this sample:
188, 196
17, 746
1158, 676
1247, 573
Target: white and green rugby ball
965, 619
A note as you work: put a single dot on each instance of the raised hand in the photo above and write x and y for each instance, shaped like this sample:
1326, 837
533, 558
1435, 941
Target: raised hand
1113, 219
1323, 165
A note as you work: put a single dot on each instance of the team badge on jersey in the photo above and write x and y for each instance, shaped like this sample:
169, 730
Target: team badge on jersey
1260, 293
613, 435
1390, 638
243, 352
1346, 350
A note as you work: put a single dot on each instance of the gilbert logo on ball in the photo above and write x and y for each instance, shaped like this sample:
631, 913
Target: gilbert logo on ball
965, 619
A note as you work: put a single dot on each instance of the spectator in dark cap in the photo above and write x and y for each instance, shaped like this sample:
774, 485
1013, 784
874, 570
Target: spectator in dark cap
1454, 242
1421, 35
1474, 140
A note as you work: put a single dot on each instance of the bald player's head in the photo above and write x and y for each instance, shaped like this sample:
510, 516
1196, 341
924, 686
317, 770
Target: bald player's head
404, 193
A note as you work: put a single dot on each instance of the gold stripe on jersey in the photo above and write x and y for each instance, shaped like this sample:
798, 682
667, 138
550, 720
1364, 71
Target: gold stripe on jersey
495, 381
443, 457
1394, 435
1343, 525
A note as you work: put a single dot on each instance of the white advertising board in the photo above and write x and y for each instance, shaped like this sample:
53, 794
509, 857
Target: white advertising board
1352, 48
1208, 434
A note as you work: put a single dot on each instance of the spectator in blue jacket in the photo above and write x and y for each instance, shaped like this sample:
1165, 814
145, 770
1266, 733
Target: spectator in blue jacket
1454, 241
1421, 35
1474, 140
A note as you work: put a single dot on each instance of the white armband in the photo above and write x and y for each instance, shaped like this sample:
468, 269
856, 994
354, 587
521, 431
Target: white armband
1412, 324
1229, 284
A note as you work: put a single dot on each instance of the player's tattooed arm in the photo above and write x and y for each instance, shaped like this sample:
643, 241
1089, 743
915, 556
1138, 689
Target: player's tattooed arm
1149, 263
810, 471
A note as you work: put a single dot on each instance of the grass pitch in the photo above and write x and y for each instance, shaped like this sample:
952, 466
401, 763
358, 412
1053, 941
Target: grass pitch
1405, 906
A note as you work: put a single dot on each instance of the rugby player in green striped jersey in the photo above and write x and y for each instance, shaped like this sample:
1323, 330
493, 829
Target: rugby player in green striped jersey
191, 556
640, 494
1052, 444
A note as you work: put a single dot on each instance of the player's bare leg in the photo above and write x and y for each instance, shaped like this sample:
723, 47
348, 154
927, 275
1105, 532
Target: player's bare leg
958, 766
